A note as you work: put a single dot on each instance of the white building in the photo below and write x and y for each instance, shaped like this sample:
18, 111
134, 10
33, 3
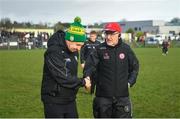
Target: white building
88, 30
150, 26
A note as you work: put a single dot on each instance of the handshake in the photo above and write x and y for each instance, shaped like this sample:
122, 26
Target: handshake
87, 83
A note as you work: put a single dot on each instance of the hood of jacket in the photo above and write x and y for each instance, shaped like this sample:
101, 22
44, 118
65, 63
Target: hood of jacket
57, 41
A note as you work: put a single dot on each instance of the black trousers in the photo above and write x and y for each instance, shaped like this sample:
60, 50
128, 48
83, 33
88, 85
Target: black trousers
112, 107
164, 50
53, 110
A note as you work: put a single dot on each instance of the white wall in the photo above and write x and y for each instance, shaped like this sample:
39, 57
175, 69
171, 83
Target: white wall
167, 29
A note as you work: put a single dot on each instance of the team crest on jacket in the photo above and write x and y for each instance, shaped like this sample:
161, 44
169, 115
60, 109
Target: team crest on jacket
121, 55
106, 56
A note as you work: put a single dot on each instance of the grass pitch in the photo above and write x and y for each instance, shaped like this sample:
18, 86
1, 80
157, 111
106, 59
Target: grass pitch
156, 93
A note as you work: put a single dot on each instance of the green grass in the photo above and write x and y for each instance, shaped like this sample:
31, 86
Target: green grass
156, 93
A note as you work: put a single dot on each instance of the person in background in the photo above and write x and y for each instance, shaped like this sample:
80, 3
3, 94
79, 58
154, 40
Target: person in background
88, 47
165, 46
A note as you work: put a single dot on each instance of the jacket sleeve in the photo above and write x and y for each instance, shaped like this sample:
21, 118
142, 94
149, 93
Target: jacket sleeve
91, 64
133, 67
56, 67
82, 51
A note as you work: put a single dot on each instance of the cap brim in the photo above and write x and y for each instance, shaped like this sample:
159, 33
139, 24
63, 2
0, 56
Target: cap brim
109, 30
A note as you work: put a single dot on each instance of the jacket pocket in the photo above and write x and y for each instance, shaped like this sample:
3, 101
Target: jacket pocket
55, 90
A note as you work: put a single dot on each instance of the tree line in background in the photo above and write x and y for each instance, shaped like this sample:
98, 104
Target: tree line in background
175, 21
7, 23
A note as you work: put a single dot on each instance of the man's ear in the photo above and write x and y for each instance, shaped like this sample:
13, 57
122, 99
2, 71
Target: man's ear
119, 36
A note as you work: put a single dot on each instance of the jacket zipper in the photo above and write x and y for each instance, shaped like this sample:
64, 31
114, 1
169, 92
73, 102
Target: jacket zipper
115, 80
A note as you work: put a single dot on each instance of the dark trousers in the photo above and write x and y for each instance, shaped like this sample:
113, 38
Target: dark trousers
164, 50
112, 107
53, 110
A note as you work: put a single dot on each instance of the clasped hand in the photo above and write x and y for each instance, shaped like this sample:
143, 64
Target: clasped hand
87, 83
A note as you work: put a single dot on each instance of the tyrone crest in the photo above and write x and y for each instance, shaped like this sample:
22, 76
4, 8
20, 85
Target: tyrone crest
121, 56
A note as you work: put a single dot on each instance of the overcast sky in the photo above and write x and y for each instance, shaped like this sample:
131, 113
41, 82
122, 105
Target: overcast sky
89, 10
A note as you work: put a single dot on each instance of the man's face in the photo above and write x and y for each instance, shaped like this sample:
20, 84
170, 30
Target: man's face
112, 38
73, 46
93, 37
